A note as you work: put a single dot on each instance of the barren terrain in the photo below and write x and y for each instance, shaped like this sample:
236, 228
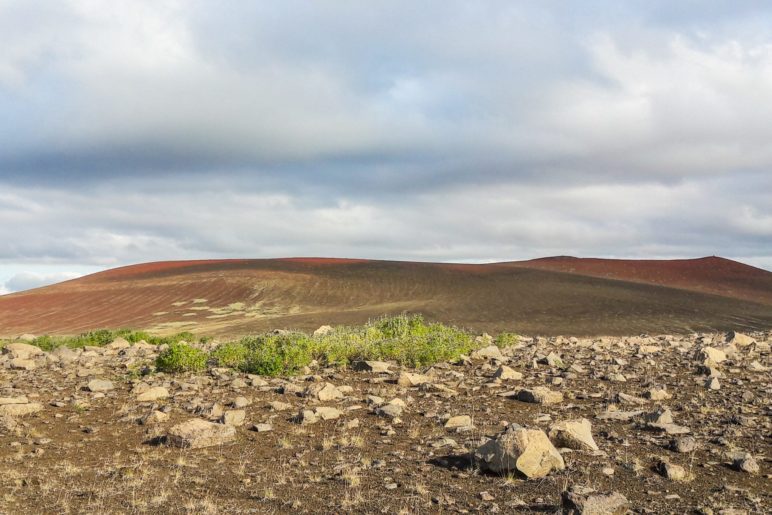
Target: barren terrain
546, 297
667, 424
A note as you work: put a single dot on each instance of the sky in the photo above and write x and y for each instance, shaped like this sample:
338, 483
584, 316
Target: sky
136, 131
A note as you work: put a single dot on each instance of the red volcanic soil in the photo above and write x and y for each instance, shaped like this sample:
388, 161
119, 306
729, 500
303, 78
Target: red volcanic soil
547, 296
709, 274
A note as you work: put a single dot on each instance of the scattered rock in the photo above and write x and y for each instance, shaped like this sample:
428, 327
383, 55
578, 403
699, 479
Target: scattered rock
22, 351
540, 395
408, 379
459, 422
683, 444
672, 471
153, 394
376, 367
526, 450
574, 434
197, 433
506, 373
583, 502
20, 410
100, 385
324, 392
235, 417
746, 463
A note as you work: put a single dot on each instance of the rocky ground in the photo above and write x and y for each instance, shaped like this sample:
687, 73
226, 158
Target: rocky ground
668, 424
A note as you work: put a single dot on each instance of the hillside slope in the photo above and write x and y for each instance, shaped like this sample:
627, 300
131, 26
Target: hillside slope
239, 296
713, 274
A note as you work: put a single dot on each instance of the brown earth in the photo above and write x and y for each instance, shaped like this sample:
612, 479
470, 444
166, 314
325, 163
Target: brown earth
547, 297
83, 445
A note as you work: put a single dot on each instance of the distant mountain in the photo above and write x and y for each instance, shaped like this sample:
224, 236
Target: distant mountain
548, 296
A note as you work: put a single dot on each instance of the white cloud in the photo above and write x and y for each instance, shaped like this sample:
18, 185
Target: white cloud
28, 280
143, 130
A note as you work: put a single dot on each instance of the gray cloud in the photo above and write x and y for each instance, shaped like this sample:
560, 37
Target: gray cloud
432, 130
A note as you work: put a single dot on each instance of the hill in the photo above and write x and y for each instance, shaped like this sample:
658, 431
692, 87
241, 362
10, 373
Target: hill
547, 297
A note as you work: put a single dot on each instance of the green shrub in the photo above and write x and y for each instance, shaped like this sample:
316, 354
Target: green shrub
101, 337
179, 357
273, 355
233, 354
505, 339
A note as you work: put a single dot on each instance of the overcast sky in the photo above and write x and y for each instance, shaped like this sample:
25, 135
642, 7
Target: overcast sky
445, 130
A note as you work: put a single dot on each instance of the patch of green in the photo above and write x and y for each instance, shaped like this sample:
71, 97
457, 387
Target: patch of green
101, 337
506, 339
232, 354
406, 339
180, 357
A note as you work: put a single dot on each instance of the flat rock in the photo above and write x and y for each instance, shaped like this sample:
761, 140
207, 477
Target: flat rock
370, 366
197, 433
409, 379
540, 395
153, 394
23, 364
459, 422
576, 503
22, 350
506, 373
100, 385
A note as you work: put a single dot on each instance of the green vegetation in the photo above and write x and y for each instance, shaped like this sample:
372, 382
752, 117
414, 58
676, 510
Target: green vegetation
180, 357
102, 337
506, 340
406, 339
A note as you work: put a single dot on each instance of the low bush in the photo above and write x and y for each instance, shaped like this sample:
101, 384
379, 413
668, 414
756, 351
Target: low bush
101, 337
180, 357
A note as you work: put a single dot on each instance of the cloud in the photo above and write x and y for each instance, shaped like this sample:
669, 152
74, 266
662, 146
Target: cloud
28, 280
445, 130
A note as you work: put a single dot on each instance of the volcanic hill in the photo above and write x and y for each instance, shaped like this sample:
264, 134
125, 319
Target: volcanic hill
547, 296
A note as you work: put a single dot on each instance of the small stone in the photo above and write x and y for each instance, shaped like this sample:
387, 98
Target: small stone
153, 394
23, 364
485, 496
683, 444
739, 339
280, 406
22, 351
540, 395
376, 367
713, 384
323, 330
234, 418
326, 413
506, 373
576, 503
712, 354
408, 379
489, 352
746, 463
573, 434
262, 428
306, 417
100, 385
153, 418
196, 433
324, 392
459, 422
240, 402
672, 471
658, 394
